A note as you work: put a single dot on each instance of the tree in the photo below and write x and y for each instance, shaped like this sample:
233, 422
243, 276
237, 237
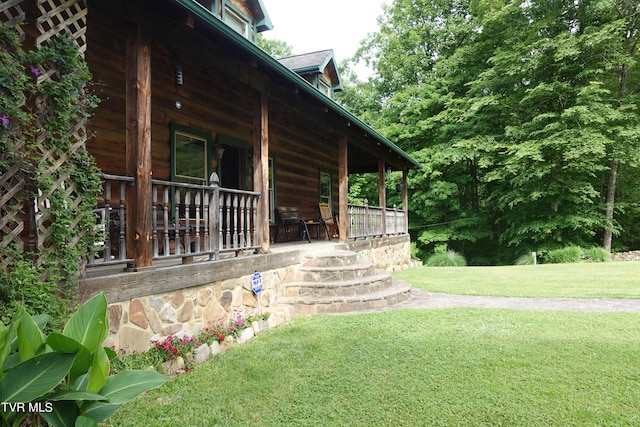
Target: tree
519, 110
275, 48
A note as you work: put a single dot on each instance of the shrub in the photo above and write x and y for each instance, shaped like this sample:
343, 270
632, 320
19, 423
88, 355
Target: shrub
567, 254
597, 254
22, 285
526, 259
449, 258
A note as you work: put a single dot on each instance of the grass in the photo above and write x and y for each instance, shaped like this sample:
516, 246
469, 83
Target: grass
462, 367
437, 367
582, 280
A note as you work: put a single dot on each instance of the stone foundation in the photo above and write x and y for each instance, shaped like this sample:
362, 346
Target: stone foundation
185, 310
390, 253
134, 324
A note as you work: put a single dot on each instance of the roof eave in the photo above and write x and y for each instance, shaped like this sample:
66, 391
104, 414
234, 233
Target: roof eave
265, 23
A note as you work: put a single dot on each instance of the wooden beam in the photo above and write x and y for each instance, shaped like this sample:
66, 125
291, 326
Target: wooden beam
343, 188
405, 200
261, 167
382, 194
138, 146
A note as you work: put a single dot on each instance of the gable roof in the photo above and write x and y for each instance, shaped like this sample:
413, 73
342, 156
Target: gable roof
249, 48
263, 22
314, 63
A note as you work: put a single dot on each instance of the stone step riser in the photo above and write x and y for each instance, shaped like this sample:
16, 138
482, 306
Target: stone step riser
335, 259
331, 290
314, 274
327, 305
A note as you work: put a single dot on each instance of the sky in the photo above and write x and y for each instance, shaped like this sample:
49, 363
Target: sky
310, 26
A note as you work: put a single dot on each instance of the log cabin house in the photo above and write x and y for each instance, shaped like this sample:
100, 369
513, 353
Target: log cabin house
202, 136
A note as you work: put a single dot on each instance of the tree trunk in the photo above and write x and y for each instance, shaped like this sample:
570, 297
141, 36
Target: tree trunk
611, 196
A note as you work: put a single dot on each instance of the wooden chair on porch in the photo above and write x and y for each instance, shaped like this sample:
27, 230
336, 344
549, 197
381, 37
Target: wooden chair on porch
329, 220
291, 216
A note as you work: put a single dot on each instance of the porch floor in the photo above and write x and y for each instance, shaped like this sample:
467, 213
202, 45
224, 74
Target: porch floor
99, 271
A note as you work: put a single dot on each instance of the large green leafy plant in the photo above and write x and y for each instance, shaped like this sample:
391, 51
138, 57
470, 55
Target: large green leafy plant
63, 379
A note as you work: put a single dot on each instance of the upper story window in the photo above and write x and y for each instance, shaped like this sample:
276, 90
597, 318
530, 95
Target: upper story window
324, 87
236, 21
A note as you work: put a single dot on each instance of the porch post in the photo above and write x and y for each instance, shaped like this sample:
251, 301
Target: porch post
343, 189
261, 169
138, 146
405, 200
382, 195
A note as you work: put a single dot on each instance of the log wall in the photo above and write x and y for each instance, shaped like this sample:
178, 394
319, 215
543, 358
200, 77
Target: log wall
215, 100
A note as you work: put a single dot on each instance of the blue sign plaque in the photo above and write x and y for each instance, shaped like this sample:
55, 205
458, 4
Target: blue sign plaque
256, 282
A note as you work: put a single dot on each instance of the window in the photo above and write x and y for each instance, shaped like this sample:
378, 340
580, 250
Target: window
324, 87
325, 187
236, 21
190, 156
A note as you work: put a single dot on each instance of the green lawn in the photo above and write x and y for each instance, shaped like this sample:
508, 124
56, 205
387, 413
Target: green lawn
580, 280
432, 367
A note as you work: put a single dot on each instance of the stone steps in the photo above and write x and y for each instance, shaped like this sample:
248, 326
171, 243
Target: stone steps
396, 293
340, 282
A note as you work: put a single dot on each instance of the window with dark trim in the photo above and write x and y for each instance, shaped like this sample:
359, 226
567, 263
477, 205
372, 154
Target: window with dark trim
324, 87
236, 20
325, 187
190, 155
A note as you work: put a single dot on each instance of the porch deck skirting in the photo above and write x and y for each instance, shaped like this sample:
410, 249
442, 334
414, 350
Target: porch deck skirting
152, 303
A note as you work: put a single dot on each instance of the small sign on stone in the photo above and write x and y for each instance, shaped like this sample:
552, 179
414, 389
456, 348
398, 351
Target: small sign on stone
256, 282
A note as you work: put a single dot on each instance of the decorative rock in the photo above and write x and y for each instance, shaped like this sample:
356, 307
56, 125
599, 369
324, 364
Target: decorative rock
154, 321
226, 299
202, 354
137, 315
168, 314
214, 348
226, 344
249, 299
203, 296
156, 303
245, 335
228, 285
260, 326
178, 299
173, 367
186, 311
114, 313
171, 329
134, 339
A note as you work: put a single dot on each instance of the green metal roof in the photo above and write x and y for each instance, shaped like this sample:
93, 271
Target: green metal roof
253, 49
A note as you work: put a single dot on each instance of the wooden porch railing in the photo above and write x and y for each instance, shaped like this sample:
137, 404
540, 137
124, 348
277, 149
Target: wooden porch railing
366, 221
187, 220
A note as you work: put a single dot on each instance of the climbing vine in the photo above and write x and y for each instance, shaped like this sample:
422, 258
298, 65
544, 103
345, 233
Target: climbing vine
45, 101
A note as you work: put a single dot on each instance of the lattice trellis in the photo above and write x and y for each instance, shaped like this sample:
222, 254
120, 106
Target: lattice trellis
11, 13
63, 16
57, 17
12, 182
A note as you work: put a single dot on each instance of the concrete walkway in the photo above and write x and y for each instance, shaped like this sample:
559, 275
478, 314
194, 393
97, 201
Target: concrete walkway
424, 299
